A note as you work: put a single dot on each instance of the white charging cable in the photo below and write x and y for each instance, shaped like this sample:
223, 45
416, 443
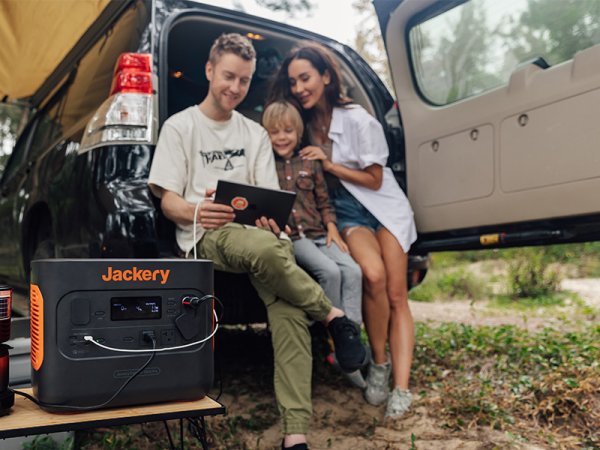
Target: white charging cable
195, 216
149, 350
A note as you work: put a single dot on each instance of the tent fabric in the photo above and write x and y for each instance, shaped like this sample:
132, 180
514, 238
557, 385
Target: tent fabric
35, 35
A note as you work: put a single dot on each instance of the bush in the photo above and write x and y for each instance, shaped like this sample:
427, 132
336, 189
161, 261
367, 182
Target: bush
530, 274
458, 284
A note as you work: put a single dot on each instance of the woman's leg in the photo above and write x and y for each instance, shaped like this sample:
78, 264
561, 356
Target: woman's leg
366, 251
401, 326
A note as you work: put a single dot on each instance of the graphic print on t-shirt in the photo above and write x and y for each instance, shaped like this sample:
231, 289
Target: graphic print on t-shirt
224, 159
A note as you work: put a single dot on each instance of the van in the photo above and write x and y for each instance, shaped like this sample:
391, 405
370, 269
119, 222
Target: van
492, 150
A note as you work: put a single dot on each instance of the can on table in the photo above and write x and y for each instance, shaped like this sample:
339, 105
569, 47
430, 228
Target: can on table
5, 311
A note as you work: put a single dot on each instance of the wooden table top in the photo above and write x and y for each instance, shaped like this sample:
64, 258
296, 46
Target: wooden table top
27, 418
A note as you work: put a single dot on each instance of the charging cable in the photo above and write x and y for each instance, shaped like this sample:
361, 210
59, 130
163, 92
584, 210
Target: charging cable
194, 231
156, 350
103, 404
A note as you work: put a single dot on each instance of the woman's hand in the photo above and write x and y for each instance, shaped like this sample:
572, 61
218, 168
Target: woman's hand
313, 152
333, 235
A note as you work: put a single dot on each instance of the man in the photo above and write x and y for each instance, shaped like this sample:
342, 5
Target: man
212, 141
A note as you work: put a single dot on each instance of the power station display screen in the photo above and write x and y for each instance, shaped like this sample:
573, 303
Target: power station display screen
135, 308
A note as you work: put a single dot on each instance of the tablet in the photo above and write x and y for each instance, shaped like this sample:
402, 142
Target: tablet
251, 202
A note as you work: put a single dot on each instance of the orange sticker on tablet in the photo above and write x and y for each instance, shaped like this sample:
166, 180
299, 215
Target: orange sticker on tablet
239, 203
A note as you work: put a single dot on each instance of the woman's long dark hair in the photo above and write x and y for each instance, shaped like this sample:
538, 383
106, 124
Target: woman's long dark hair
323, 61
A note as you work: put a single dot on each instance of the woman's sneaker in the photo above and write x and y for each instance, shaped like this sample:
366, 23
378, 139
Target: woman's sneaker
378, 386
398, 403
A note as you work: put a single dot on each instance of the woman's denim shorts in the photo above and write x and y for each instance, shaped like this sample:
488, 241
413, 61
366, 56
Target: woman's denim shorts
351, 213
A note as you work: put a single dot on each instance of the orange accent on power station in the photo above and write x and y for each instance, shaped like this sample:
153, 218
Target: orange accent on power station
37, 326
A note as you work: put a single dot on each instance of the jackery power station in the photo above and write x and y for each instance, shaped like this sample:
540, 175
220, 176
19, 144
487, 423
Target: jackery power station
115, 332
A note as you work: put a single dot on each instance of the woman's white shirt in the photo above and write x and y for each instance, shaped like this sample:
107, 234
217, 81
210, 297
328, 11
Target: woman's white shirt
358, 142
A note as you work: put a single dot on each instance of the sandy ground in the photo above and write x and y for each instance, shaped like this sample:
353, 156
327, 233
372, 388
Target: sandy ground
343, 420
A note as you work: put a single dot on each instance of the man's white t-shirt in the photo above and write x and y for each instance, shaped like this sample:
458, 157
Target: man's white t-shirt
194, 152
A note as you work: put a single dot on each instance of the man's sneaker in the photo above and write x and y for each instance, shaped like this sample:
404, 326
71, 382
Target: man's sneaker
295, 447
378, 385
398, 403
355, 378
350, 352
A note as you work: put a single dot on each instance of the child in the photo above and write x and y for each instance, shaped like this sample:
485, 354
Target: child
318, 246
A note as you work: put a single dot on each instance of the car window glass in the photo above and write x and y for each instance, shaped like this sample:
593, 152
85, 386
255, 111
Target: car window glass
474, 47
12, 122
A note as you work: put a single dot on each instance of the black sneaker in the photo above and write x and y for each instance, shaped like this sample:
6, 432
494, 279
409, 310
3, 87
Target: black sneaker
351, 354
295, 447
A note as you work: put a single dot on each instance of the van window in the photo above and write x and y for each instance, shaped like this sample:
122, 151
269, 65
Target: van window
12, 122
474, 47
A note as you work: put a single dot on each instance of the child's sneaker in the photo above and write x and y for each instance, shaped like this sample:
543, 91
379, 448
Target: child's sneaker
398, 403
350, 352
378, 387
355, 378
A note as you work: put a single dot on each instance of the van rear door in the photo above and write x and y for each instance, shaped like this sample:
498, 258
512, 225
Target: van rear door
500, 104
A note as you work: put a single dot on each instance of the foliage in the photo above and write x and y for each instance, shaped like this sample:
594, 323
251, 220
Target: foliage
555, 29
530, 274
456, 284
586, 256
368, 42
47, 443
11, 124
508, 378
289, 6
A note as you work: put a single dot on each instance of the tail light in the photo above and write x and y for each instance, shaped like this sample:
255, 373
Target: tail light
126, 117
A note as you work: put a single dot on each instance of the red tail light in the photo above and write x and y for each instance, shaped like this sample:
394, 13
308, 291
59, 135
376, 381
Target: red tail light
133, 74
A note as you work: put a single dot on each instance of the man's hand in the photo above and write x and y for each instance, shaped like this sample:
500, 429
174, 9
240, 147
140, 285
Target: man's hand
213, 215
271, 225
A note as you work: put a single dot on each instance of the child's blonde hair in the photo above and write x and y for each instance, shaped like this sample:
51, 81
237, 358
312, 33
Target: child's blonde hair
282, 113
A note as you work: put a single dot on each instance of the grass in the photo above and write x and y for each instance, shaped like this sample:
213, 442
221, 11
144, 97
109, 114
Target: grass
585, 256
458, 284
544, 386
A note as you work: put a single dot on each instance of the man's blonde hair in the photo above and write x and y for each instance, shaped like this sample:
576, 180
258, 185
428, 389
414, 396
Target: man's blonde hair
282, 113
232, 43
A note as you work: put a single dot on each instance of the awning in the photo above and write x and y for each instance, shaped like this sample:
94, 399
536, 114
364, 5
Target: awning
35, 35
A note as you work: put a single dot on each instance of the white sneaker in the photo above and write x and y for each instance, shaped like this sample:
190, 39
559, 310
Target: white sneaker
378, 385
398, 403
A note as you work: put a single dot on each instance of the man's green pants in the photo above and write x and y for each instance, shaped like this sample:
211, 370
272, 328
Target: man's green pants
289, 294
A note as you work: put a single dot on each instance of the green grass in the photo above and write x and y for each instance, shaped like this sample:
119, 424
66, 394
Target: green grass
512, 380
586, 256
456, 284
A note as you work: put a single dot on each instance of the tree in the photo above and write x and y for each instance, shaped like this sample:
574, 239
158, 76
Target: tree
555, 29
290, 7
368, 42
452, 54
12, 121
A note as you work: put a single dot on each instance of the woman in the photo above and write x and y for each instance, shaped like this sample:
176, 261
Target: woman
373, 213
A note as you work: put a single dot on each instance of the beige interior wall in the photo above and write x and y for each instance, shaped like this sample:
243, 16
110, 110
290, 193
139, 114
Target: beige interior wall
547, 168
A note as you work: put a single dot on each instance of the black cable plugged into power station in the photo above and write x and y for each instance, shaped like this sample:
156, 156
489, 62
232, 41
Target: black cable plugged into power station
147, 337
